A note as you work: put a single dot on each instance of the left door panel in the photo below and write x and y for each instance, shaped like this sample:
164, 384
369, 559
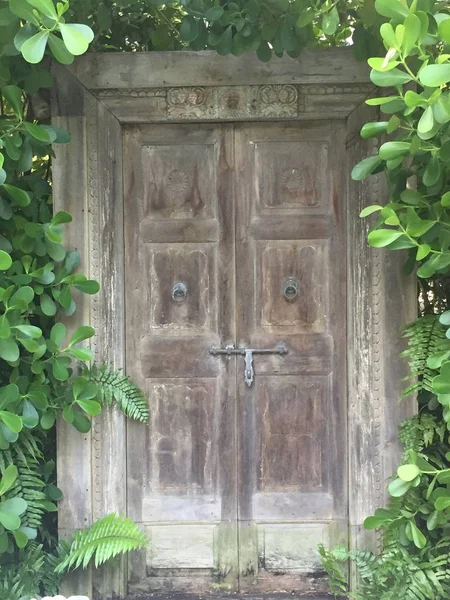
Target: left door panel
179, 265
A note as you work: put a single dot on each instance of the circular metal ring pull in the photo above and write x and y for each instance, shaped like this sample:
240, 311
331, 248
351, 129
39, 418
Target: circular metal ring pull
179, 292
290, 289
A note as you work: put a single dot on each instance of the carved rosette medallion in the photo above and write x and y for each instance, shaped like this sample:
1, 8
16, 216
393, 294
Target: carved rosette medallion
177, 183
189, 103
278, 101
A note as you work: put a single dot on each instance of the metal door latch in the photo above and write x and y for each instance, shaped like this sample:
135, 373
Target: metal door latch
247, 353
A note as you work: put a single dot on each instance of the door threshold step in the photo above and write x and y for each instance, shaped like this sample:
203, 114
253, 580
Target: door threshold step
229, 596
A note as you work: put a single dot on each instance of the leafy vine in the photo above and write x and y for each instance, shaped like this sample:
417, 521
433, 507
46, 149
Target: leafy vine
44, 373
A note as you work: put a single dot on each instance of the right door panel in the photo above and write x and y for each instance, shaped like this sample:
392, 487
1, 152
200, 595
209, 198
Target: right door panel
290, 282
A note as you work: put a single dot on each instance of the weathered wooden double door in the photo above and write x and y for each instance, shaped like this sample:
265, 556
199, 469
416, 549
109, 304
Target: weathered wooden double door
234, 241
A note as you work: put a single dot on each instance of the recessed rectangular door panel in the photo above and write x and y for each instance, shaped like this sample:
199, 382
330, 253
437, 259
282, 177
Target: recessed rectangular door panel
290, 286
179, 263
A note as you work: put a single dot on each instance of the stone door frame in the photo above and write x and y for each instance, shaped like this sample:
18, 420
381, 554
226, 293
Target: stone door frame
92, 100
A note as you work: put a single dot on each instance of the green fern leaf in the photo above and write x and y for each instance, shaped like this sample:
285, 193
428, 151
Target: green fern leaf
106, 539
426, 337
115, 387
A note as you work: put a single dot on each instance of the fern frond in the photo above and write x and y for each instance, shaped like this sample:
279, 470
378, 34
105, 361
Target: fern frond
330, 560
115, 387
26, 455
21, 577
104, 540
426, 337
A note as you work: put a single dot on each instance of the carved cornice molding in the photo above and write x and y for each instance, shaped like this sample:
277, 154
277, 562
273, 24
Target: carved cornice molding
240, 102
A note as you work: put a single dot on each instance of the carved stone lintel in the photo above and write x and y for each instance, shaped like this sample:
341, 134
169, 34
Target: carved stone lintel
240, 102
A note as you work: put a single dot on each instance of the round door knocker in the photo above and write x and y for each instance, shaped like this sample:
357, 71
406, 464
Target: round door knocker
179, 292
290, 289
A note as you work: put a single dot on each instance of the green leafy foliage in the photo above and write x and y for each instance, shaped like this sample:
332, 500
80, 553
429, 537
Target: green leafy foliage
43, 368
269, 28
396, 573
112, 387
107, 538
415, 156
426, 339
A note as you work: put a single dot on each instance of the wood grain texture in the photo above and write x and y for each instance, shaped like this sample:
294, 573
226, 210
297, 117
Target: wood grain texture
384, 304
167, 69
290, 453
182, 472
70, 192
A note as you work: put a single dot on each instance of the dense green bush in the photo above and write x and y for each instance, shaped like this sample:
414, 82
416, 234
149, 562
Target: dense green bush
43, 371
414, 77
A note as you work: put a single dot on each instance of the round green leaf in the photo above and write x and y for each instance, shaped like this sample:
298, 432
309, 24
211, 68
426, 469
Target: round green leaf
33, 49
379, 238
30, 416
9, 521
426, 122
13, 96
432, 172
84, 354
48, 306
39, 399
39, 132
76, 37
435, 75
442, 504
330, 21
30, 330
5, 329
382, 64
392, 150
46, 7
393, 9
22, 298
8, 394
82, 333
369, 210
214, 13
398, 487
413, 27
364, 168
59, 370
5, 261
411, 197
444, 30
15, 506
419, 539
9, 350
264, 52
90, 407
394, 77
226, 42
21, 538
422, 252
13, 422
58, 333
7, 480
381, 101
189, 29
48, 419
432, 520
61, 217
81, 422
371, 130
408, 472
88, 287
